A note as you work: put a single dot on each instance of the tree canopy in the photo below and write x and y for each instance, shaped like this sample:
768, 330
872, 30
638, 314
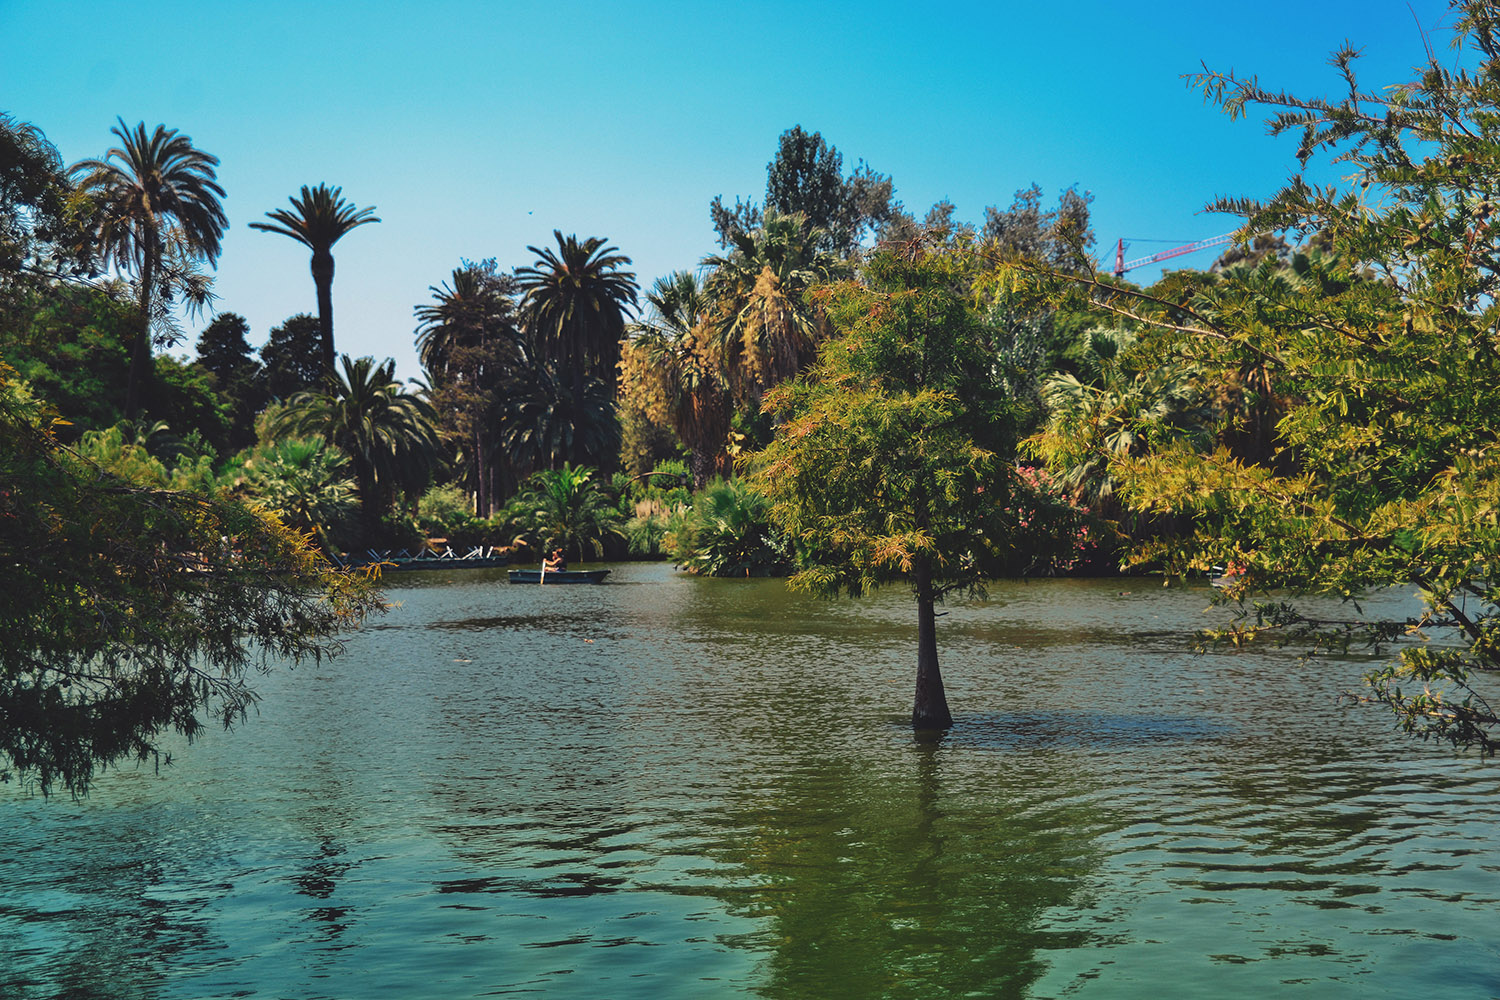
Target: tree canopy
132, 607
894, 460
1369, 371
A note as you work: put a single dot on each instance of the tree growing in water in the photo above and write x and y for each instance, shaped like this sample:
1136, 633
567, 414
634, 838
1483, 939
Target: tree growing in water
894, 458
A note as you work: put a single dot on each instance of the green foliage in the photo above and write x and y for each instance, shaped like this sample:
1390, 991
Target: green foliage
667, 484
70, 344
569, 508
730, 534
387, 432
648, 503
293, 357
183, 397
647, 529
806, 177
224, 354
132, 608
448, 512
126, 451
1124, 402
39, 217
305, 482
442, 507
1061, 236
1365, 378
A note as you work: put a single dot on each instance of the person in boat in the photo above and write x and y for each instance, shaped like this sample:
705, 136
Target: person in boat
556, 562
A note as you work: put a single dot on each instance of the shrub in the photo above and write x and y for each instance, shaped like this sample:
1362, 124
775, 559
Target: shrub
727, 533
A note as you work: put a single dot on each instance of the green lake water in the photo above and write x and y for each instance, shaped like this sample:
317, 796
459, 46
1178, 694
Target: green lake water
670, 787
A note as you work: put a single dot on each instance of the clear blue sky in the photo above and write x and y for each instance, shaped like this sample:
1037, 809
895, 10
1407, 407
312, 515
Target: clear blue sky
476, 129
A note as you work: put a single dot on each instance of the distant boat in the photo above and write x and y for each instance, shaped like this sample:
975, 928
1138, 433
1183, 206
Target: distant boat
558, 576
1223, 579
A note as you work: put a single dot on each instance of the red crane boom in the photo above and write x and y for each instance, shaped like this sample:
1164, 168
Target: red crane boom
1122, 265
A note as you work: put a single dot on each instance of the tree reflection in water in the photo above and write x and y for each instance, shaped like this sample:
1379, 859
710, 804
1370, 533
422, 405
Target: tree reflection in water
923, 884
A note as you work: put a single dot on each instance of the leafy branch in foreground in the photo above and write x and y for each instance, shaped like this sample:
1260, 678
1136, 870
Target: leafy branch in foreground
1374, 359
132, 607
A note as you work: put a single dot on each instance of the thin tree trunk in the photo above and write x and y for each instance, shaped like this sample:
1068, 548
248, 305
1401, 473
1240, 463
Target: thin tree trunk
140, 348
930, 709
322, 272
481, 478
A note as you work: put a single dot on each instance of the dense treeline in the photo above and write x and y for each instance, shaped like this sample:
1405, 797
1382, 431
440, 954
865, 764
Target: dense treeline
848, 394
561, 363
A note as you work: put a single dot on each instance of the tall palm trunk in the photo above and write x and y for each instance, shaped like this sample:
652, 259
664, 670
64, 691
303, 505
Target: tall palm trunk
481, 478
930, 709
322, 273
702, 464
369, 502
140, 348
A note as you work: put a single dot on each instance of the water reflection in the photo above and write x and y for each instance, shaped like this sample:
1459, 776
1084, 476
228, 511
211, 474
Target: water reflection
907, 882
672, 787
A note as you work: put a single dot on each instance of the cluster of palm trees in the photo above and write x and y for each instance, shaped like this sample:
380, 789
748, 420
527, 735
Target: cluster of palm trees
157, 215
522, 368
714, 345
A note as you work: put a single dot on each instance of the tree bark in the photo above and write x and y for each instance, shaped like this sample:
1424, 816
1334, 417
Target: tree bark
930, 709
322, 272
701, 463
140, 348
481, 478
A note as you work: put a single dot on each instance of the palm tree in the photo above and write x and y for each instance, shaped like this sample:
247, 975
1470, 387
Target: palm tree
387, 432
1123, 406
470, 347
766, 328
569, 510
476, 309
680, 345
576, 302
547, 418
319, 219
157, 201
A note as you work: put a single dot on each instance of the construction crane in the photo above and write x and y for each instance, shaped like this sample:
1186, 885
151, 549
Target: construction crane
1122, 265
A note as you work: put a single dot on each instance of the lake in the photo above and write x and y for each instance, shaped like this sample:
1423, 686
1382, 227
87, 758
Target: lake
673, 787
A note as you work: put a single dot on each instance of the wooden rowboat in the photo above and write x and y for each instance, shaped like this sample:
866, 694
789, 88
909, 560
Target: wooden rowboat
558, 576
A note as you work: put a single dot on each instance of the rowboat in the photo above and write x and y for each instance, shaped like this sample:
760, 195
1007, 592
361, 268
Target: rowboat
558, 576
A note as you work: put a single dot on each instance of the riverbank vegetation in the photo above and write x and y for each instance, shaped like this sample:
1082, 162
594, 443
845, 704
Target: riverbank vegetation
846, 392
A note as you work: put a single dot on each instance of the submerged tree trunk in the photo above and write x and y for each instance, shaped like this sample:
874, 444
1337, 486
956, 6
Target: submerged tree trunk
930, 710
